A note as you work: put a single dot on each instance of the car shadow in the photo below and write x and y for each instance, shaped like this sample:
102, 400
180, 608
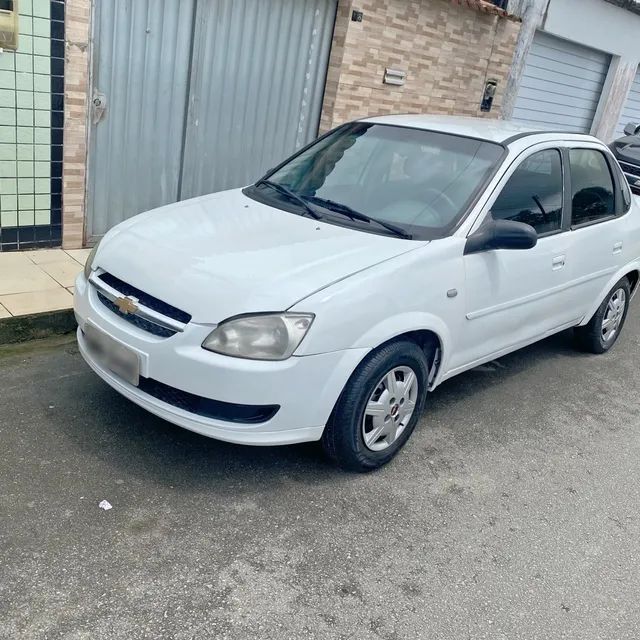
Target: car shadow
137, 443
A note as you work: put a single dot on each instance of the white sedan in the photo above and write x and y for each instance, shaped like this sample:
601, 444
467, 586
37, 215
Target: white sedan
325, 301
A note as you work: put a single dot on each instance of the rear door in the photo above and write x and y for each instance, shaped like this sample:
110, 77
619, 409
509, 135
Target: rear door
597, 228
515, 297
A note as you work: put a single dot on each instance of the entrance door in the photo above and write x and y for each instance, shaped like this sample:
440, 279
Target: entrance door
140, 79
196, 96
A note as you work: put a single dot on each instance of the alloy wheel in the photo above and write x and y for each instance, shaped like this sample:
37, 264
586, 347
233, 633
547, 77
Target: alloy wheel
389, 408
613, 314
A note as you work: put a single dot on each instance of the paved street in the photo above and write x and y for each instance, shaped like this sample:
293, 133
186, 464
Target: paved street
512, 513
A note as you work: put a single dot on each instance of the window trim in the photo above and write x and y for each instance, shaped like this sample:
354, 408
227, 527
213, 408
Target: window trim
617, 196
621, 183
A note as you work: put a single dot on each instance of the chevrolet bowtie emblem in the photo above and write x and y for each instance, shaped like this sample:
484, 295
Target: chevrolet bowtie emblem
126, 305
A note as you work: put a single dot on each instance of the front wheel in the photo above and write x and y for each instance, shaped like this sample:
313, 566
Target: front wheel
602, 331
379, 407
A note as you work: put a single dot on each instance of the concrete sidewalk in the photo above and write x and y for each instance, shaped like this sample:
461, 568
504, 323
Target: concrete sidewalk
33, 282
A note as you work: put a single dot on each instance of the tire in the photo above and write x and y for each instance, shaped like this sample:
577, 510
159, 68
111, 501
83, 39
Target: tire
396, 412
596, 336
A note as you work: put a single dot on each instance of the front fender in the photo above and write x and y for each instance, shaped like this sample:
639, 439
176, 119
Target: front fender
408, 293
634, 265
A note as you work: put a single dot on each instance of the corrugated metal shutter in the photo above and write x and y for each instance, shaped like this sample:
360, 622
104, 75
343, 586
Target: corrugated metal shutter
141, 64
256, 93
201, 95
631, 109
561, 84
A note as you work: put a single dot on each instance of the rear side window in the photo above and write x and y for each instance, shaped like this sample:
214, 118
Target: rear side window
533, 194
592, 193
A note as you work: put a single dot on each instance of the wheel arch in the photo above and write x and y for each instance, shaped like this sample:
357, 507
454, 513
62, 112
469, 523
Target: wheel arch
634, 278
430, 343
426, 330
630, 271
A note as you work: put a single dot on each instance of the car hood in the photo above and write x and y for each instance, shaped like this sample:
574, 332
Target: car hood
225, 254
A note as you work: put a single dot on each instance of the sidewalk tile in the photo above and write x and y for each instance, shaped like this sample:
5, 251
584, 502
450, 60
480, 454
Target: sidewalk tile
4, 313
10, 259
80, 255
64, 272
20, 304
44, 256
23, 277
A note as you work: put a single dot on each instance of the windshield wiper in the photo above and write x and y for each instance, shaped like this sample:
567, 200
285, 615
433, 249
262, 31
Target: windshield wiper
292, 195
346, 210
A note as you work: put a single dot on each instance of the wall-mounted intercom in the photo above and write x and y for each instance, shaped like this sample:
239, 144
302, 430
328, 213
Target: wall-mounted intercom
489, 94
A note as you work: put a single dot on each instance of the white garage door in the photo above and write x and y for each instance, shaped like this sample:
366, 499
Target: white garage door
561, 84
631, 110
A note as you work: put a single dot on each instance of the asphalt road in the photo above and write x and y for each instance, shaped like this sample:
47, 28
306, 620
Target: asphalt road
512, 513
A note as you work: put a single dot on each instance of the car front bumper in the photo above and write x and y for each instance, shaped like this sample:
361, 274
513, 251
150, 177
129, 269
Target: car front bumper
304, 389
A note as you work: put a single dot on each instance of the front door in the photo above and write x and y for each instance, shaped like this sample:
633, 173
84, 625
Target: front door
513, 297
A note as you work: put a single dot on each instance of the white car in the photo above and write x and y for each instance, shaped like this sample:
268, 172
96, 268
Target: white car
328, 299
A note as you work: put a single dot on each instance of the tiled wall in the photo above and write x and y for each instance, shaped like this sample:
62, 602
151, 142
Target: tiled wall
447, 49
31, 129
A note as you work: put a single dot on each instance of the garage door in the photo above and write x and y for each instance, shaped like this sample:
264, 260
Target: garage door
197, 96
631, 110
561, 85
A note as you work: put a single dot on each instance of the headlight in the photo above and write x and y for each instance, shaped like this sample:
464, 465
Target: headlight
89, 263
260, 337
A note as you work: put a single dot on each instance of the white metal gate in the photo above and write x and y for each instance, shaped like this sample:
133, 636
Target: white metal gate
195, 96
561, 85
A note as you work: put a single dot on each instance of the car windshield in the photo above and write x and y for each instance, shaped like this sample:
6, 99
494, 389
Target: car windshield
419, 181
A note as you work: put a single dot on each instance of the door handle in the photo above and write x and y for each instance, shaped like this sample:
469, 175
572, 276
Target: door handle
617, 247
557, 263
98, 107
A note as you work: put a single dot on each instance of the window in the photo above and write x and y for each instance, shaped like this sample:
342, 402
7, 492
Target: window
533, 194
422, 181
592, 197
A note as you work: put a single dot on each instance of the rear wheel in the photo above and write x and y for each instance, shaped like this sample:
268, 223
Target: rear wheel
602, 331
379, 407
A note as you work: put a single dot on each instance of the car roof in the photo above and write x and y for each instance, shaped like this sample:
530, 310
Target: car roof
490, 129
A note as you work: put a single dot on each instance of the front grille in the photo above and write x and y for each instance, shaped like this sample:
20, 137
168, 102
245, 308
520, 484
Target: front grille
630, 168
145, 299
206, 407
137, 321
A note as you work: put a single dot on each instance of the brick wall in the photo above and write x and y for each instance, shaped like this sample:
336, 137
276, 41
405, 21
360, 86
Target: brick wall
448, 52
75, 121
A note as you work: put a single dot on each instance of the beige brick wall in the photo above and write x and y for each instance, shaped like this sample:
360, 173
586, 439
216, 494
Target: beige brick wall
448, 52
76, 82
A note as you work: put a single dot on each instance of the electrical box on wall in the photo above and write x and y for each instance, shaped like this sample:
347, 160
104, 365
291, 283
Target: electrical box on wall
8, 24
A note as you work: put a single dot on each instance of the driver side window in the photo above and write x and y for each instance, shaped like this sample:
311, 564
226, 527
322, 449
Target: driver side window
533, 194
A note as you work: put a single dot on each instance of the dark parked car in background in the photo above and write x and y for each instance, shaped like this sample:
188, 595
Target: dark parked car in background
627, 152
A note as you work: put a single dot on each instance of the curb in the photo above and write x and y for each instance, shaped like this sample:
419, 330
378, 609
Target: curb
36, 326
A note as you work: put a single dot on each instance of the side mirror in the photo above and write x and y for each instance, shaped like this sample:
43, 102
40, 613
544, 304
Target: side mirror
501, 234
632, 129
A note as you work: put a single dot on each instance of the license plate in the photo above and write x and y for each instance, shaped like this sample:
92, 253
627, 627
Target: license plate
114, 356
